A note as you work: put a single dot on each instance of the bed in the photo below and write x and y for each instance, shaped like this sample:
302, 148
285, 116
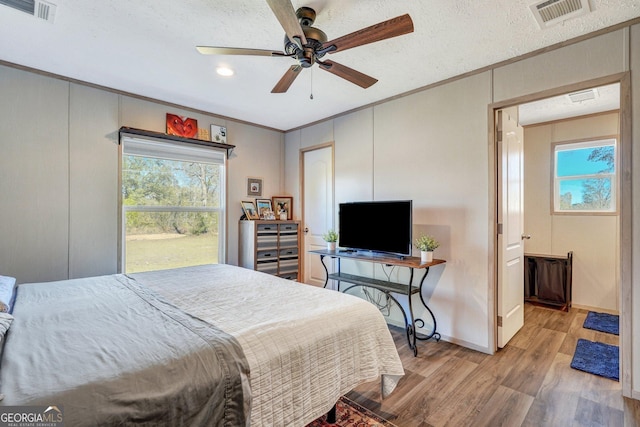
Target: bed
206, 345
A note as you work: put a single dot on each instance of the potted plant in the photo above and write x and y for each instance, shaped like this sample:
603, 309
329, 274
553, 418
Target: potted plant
331, 237
426, 245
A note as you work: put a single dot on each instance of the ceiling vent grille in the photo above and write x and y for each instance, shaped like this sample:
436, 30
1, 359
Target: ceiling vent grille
551, 12
583, 95
38, 8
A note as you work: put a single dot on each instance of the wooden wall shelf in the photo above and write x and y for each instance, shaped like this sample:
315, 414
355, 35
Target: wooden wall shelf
151, 134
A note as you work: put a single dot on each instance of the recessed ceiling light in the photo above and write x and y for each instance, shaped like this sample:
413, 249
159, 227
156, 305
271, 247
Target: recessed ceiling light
224, 71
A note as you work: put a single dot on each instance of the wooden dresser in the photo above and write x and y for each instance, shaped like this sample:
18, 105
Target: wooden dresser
272, 247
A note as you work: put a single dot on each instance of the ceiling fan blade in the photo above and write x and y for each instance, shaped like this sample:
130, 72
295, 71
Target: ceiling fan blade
213, 50
283, 10
355, 77
283, 85
380, 31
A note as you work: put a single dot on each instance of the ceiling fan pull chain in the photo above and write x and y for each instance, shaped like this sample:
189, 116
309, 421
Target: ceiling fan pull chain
311, 96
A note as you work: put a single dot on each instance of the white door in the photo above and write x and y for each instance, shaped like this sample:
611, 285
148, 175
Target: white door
317, 209
510, 216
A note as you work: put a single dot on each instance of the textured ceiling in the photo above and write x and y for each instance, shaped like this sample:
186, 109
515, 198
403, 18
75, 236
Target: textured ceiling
605, 98
148, 48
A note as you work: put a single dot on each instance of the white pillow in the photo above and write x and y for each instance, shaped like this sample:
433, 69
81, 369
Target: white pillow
5, 322
7, 289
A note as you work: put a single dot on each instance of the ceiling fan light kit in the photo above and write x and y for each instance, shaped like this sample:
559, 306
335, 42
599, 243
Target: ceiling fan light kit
308, 45
224, 71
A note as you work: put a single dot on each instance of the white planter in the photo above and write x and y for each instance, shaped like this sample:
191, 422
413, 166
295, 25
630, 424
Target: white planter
426, 256
331, 246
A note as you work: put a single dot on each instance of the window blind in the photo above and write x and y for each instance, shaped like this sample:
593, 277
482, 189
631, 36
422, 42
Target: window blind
171, 150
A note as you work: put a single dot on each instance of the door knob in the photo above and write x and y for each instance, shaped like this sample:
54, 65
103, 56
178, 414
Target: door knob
526, 236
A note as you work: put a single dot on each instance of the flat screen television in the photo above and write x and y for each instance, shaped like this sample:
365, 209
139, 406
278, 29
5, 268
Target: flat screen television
377, 226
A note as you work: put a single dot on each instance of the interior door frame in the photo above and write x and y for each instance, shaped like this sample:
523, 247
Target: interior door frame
624, 194
303, 234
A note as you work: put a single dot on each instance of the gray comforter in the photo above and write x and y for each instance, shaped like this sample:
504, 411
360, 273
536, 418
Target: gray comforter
112, 352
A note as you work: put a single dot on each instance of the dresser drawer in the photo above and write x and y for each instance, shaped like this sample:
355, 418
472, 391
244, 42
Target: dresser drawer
288, 240
288, 266
288, 227
288, 252
269, 255
269, 267
267, 228
267, 241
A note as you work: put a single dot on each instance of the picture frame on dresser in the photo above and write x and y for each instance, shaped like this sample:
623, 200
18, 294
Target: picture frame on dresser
264, 208
250, 210
283, 203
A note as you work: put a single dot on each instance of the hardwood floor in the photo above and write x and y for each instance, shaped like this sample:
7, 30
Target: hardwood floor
527, 383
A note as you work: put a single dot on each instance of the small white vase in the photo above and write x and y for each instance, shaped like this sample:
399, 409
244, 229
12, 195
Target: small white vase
426, 256
331, 246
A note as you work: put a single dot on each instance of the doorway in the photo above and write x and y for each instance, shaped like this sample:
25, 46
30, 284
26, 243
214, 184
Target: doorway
317, 207
553, 229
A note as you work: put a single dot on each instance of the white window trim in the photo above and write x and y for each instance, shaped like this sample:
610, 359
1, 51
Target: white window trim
576, 145
148, 146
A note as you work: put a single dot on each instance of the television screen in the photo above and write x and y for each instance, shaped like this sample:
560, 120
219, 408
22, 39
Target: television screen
379, 226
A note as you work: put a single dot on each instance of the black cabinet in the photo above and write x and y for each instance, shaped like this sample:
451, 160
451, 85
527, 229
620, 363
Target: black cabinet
547, 280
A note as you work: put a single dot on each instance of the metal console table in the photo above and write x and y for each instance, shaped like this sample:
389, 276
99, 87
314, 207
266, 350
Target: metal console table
388, 287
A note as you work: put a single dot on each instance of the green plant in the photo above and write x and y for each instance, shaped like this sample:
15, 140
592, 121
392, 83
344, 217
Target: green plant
426, 243
330, 236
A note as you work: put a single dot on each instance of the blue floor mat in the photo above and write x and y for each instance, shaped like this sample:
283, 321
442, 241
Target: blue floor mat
602, 322
597, 358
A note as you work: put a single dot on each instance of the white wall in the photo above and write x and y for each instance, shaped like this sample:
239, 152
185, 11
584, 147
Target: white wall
433, 147
59, 173
595, 252
405, 149
34, 176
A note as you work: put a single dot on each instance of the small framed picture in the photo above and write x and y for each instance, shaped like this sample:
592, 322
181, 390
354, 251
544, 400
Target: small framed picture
249, 209
265, 211
254, 187
219, 134
283, 205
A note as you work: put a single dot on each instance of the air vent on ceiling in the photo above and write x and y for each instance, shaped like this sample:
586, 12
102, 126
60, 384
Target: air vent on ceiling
583, 95
38, 8
551, 12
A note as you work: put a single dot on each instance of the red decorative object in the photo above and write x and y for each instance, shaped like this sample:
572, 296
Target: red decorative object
181, 126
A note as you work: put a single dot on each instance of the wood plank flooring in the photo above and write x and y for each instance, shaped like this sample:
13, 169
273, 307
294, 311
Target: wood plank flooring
528, 383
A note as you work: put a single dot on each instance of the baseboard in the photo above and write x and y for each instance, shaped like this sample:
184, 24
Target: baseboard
466, 344
597, 309
446, 338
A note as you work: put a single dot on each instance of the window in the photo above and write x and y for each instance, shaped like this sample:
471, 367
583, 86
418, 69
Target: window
172, 204
585, 177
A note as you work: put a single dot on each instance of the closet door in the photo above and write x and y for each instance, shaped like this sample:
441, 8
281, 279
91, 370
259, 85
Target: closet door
317, 209
510, 216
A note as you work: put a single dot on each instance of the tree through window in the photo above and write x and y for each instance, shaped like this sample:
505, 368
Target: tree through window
173, 205
585, 177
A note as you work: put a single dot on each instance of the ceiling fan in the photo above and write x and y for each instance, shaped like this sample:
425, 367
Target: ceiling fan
308, 44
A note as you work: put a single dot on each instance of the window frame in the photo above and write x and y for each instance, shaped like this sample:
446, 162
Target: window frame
609, 140
167, 148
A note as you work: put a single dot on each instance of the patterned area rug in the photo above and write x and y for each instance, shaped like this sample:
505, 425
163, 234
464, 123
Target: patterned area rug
597, 358
602, 322
350, 414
